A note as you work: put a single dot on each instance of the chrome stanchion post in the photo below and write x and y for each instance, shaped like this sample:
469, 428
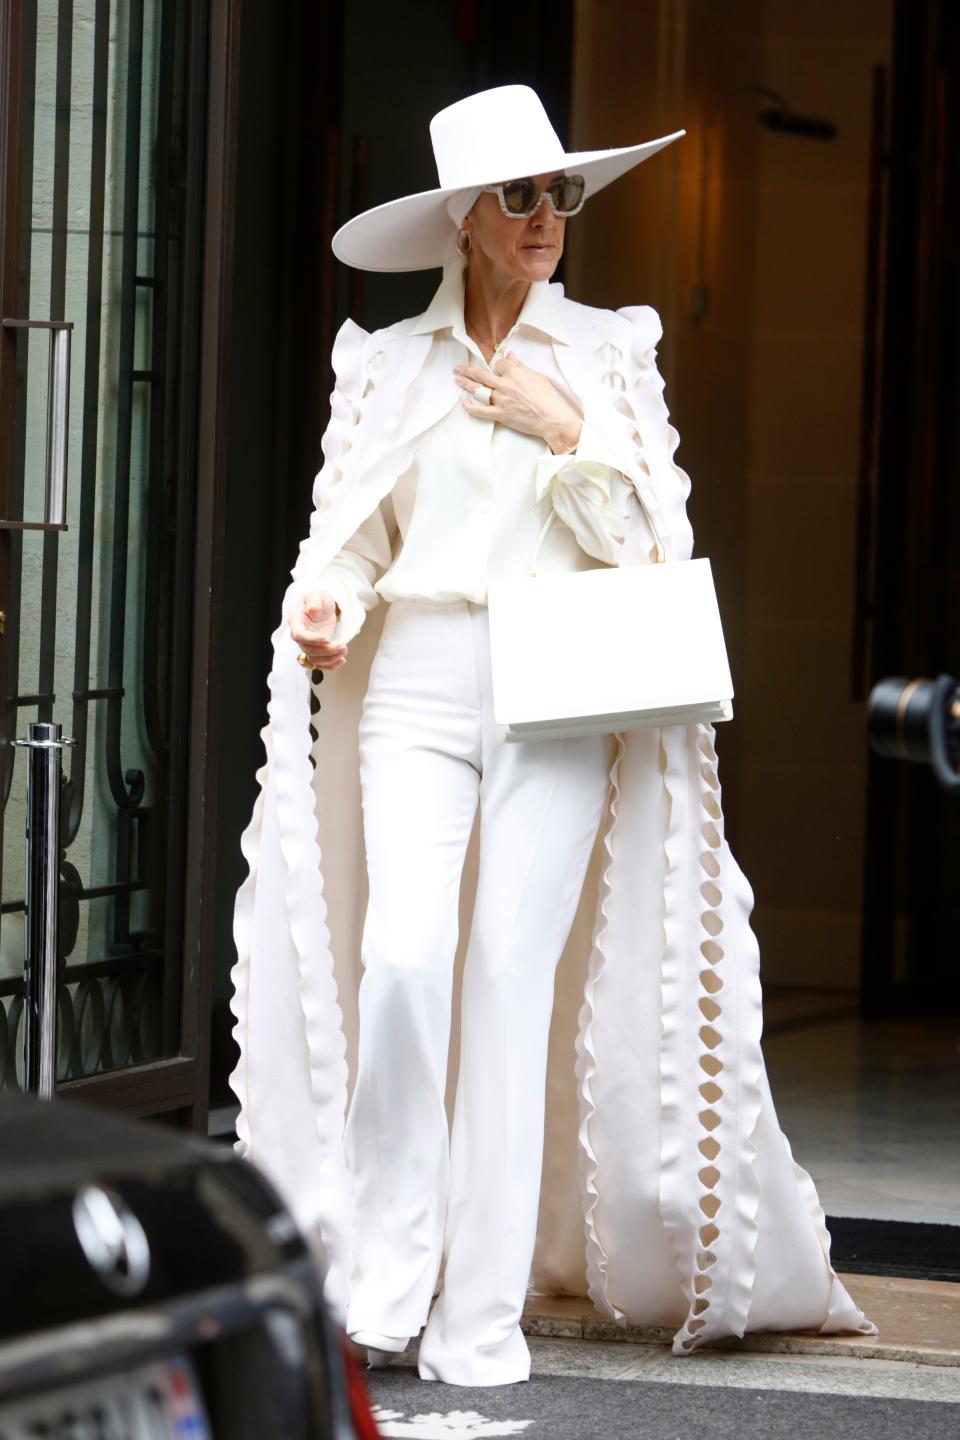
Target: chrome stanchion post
45, 743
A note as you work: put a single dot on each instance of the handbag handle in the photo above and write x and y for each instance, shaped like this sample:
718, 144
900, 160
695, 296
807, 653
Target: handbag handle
658, 538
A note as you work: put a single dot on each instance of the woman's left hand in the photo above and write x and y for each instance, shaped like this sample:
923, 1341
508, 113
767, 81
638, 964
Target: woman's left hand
523, 398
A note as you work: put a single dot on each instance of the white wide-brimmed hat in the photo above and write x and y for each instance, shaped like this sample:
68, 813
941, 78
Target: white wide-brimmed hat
495, 135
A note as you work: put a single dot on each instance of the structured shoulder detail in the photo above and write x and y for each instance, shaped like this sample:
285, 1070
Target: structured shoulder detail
384, 344
399, 328
350, 339
350, 330
588, 316
646, 326
398, 331
610, 335
347, 356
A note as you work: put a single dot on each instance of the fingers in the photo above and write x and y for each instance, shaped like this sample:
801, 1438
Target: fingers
325, 656
314, 618
306, 634
485, 409
318, 604
469, 375
322, 651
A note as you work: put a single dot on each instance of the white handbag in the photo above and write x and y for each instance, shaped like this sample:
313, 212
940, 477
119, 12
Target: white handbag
617, 648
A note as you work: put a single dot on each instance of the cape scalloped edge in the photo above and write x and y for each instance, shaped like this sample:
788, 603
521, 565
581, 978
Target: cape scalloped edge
713, 992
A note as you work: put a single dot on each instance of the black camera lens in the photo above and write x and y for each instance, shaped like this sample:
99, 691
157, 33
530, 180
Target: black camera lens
898, 718
918, 720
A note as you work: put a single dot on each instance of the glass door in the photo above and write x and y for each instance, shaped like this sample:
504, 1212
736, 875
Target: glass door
95, 629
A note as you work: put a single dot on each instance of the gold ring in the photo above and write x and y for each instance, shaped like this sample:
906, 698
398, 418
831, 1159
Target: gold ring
302, 660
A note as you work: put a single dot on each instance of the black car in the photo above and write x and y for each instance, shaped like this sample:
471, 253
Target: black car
154, 1287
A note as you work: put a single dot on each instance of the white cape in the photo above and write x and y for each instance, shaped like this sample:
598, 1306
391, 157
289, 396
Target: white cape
670, 1195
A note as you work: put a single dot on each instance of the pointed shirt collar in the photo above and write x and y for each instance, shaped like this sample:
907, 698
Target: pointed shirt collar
540, 308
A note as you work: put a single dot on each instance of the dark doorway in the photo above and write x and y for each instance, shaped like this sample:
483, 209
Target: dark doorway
911, 896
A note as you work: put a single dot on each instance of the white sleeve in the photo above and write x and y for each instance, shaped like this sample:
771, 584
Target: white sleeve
669, 485
356, 568
589, 494
351, 575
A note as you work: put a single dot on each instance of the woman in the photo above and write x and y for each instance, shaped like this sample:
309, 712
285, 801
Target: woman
452, 435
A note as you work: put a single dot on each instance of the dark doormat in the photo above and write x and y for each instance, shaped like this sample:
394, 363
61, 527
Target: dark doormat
894, 1247
573, 1408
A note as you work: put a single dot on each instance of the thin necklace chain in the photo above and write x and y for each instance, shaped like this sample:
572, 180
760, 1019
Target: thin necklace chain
498, 343
480, 341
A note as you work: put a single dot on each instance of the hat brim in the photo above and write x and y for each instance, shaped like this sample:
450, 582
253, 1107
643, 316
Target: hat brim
415, 231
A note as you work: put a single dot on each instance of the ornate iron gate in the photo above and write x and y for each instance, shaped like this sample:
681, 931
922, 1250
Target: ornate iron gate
97, 613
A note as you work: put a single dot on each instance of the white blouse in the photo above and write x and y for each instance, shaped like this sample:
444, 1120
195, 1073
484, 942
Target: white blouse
472, 503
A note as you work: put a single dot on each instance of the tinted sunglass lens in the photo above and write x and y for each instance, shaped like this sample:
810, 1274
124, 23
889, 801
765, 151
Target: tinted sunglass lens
519, 196
567, 193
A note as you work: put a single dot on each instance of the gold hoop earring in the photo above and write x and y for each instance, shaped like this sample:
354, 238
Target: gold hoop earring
464, 242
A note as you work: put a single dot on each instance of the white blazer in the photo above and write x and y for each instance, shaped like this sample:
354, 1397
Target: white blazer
472, 505
670, 1195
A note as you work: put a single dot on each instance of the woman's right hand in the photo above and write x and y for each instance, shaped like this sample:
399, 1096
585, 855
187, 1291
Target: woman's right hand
312, 622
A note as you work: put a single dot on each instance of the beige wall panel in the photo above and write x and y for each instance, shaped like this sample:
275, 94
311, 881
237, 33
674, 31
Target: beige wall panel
806, 948
765, 392
804, 408
799, 532
812, 810
784, 712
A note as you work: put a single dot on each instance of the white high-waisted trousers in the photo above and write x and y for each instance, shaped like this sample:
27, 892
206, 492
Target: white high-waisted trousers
428, 753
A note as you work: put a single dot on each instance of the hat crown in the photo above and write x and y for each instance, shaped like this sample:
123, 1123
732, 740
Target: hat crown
495, 135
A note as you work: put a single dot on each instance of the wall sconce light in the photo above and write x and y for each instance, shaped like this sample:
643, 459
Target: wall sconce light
778, 116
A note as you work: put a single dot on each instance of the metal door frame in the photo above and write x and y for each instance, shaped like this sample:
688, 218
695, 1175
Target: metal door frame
176, 1087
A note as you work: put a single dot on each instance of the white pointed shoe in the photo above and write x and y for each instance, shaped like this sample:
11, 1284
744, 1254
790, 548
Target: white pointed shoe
381, 1349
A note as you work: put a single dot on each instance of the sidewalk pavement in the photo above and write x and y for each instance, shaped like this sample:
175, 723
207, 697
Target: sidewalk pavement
919, 1321
594, 1379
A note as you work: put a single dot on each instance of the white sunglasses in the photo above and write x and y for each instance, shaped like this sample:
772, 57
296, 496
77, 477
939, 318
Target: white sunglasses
521, 198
